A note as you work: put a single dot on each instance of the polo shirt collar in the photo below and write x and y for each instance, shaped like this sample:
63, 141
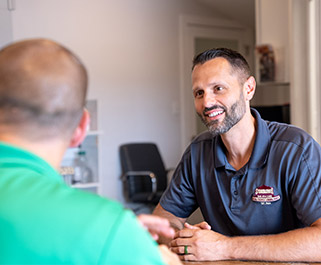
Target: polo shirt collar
14, 156
260, 150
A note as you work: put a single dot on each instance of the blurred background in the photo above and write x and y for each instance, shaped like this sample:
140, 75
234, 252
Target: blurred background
139, 52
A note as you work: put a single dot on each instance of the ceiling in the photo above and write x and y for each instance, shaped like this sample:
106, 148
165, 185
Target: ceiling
240, 10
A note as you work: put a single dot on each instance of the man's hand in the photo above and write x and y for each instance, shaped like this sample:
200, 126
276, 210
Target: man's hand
156, 226
199, 244
202, 225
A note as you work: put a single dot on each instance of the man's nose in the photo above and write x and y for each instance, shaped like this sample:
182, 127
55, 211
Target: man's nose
209, 100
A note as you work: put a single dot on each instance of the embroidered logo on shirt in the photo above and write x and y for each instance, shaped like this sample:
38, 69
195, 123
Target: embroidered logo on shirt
265, 195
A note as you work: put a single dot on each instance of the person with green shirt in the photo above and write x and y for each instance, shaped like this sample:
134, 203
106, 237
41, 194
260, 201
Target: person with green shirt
43, 221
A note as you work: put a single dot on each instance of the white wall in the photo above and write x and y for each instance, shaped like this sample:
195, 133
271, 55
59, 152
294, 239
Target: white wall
272, 27
293, 27
130, 48
5, 23
299, 29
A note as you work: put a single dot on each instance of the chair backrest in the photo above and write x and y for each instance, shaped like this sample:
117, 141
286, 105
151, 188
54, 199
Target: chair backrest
144, 157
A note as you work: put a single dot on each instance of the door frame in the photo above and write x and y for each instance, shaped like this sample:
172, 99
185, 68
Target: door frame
191, 27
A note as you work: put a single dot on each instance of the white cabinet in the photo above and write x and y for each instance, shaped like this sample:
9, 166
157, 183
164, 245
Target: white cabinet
271, 94
272, 101
91, 148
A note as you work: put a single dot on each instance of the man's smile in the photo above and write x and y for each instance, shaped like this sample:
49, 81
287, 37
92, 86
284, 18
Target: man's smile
215, 113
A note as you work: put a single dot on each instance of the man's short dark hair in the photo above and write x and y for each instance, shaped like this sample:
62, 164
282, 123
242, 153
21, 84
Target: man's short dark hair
42, 88
236, 60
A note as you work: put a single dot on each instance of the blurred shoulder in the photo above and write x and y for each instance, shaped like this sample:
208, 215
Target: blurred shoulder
282, 132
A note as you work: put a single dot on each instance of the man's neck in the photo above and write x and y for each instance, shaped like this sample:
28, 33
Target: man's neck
51, 150
239, 141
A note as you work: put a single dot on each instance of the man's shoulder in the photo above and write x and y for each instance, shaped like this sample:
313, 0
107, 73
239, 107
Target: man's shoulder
203, 137
281, 132
201, 142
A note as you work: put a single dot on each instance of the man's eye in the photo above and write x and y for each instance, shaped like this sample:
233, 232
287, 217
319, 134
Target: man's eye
218, 88
198, 94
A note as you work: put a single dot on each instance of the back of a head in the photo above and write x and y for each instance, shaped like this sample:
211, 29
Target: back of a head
42, 89
236, 60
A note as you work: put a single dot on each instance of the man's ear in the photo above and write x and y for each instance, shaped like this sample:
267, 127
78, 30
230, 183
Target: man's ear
249, 88
81, 130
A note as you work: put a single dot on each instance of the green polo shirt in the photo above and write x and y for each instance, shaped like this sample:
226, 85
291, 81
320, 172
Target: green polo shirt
43, 221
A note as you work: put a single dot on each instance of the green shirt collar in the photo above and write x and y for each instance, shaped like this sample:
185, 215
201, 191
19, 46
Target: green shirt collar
13, 156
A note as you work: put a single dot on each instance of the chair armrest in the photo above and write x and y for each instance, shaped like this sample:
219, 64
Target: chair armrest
149, 174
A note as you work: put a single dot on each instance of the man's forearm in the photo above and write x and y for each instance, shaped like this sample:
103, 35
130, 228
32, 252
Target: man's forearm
296, 245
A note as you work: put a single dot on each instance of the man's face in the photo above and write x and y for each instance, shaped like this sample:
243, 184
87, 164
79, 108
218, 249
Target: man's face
218, 95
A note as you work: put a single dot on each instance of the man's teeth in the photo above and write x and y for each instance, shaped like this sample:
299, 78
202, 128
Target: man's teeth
215, 113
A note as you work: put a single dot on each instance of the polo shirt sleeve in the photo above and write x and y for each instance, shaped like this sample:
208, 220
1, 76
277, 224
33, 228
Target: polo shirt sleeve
130, 243
179, 198
306, 185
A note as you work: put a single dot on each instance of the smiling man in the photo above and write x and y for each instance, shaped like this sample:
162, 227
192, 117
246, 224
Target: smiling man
257, 183
209, 109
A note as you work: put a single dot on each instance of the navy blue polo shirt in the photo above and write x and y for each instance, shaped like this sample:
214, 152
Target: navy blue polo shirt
279, 189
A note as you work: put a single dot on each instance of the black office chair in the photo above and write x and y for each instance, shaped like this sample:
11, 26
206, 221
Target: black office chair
144, 175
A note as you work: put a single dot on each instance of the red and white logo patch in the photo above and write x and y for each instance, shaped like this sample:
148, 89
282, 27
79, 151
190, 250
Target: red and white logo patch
265, 195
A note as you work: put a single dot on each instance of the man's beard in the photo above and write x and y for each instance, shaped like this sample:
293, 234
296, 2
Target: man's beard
232, 116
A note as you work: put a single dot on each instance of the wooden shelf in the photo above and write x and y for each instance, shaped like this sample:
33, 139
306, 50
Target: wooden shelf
270, 84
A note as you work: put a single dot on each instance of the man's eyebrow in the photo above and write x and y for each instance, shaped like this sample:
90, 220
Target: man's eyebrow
215, 83
208, 85
195, 88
